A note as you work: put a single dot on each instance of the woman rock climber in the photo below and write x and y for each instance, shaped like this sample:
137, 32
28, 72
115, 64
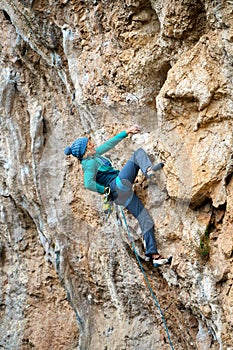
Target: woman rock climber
100, 176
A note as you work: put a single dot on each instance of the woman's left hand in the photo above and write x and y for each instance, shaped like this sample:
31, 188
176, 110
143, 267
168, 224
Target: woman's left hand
133, 129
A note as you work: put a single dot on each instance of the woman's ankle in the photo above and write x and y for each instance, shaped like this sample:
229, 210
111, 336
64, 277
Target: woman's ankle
155, 256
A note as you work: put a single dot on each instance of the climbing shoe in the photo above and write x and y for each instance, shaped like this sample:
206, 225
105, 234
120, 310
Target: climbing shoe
158, 166
160, 261
151, 170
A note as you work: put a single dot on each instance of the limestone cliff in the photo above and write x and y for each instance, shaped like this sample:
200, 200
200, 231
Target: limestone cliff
69, 280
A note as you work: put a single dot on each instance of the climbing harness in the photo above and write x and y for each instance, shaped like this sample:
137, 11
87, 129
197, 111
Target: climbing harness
146, 278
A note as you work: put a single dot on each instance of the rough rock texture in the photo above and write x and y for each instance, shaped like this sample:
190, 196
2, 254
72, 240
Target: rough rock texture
69, 280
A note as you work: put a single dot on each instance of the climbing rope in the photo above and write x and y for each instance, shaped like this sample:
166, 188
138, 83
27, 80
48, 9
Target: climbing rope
146, 279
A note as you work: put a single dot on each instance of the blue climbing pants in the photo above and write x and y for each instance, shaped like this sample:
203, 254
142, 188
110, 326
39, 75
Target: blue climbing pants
122, 194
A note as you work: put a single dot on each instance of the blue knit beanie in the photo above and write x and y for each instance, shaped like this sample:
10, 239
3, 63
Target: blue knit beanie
78, 148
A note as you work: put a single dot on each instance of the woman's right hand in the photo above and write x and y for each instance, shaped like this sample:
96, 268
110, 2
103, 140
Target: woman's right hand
134, 129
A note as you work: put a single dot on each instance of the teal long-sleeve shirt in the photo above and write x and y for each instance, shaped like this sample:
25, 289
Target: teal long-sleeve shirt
91, 165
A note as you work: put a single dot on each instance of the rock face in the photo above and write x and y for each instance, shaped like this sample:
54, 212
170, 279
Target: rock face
69, 279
